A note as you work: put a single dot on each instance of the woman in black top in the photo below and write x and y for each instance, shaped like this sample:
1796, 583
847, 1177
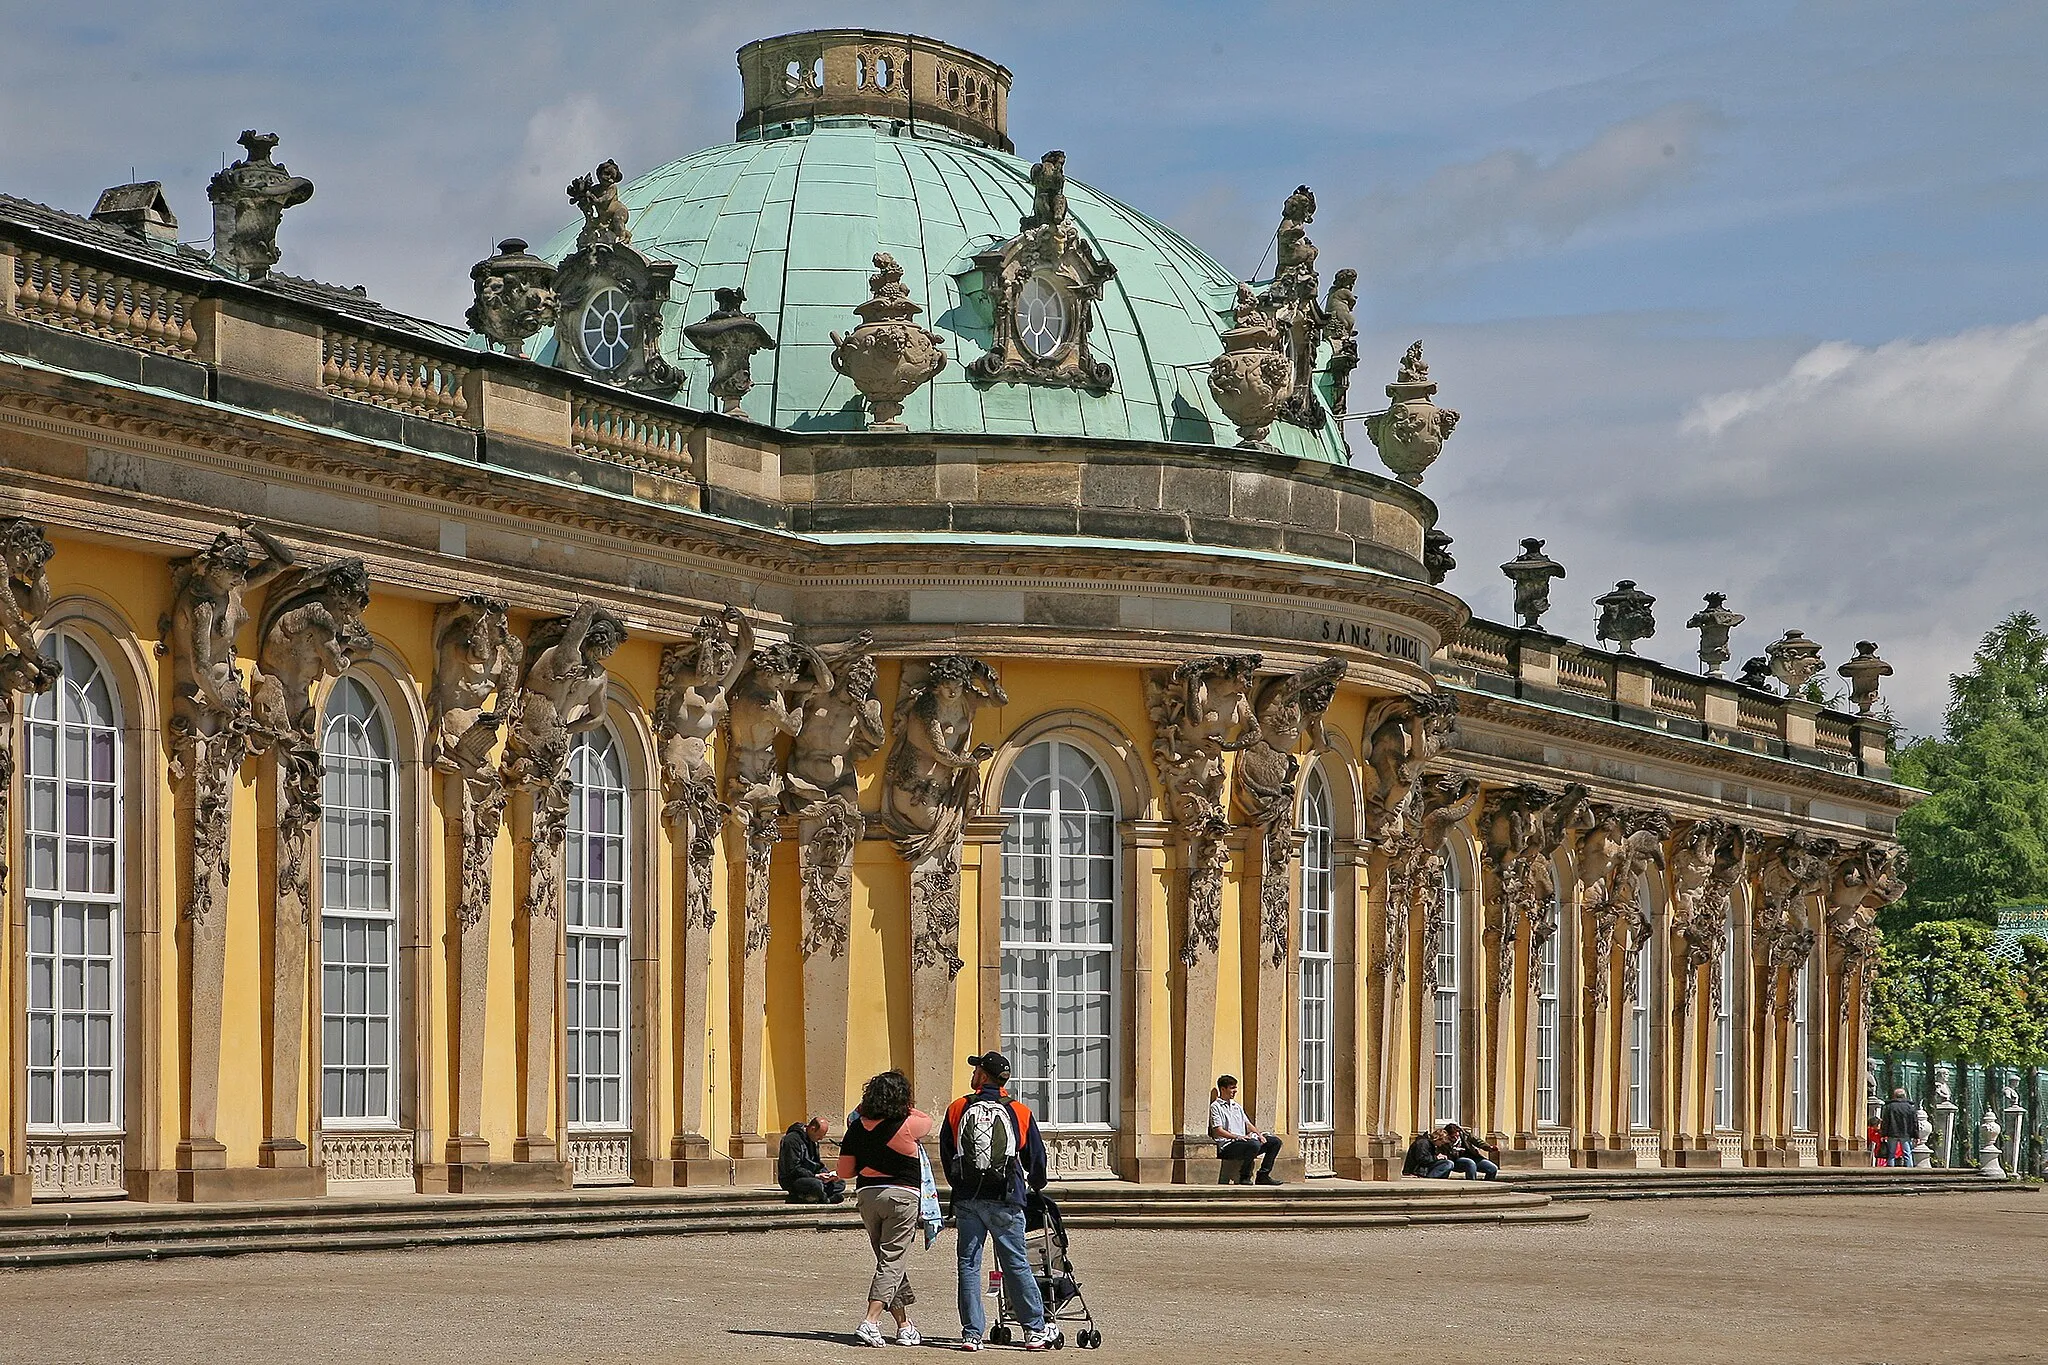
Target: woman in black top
880, 1155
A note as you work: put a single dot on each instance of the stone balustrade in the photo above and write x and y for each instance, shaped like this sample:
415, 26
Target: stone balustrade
641, 437
396, 377
78, 297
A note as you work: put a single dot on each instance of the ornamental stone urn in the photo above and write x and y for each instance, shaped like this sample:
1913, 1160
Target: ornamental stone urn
1531, 572
888, 356
1625, 616
1411, 433
515, 296
730, 338
1713, 622
1863, 673
1988, 1153
1253, 376
1794, 661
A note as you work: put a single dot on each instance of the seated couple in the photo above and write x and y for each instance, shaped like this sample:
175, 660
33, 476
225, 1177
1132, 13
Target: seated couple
1434, 1155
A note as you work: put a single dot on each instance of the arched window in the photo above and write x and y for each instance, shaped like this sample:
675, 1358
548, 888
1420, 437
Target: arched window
598, 933
1639, 1087
1548, 1110
358, 916
72, 835
1318, 923
1799, 1048
1724, 1034
1059, 934
1444, 1070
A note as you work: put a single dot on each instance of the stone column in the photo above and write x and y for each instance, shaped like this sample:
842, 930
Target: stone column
1602, 1069
1141, 1156
1391, 952
23, 668
540, 817
827, 836
1202, 861
696, 831
474, 809
1269, 911
749, 945
292, 813
1351, 1042
935, 965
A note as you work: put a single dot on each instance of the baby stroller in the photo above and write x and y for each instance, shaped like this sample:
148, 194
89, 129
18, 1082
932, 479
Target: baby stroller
1045, 1247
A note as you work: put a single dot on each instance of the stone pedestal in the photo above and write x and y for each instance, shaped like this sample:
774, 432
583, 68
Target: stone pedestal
1696, 1158
509, 1177
16, 1191
691, 1150
1194, 1153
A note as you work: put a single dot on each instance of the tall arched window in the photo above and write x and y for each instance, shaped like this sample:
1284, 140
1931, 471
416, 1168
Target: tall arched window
1450, 961
1547, 1106
1724, 1034
598, 933
72, 835
1640, 1114
1059, 934
1318, 924
1799, 1048
358, 916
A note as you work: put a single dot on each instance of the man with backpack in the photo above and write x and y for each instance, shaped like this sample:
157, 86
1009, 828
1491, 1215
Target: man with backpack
993, 1156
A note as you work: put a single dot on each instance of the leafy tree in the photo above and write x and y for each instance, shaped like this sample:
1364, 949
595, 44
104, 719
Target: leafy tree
1940, 990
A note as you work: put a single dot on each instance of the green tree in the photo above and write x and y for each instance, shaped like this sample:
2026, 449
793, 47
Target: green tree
1981, 837
1940, 990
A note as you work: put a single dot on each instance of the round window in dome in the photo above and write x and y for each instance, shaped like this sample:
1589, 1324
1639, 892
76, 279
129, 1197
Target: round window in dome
610, 322
1042, 317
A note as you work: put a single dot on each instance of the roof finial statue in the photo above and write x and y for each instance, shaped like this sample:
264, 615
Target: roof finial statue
1253, 376
889, 355
1863, 671
1437, 559
249, 200
604, 213
1756, 673
1794, 661
730, 337
1294, 254
1411, 433
515, 296
1713, 622
1531, 572
1625, 616
1340, 331
1048, 193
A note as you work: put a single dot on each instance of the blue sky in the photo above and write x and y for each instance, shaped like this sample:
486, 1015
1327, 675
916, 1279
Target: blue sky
1732, 296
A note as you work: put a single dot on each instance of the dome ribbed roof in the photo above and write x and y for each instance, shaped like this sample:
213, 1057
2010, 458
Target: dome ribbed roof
794, 220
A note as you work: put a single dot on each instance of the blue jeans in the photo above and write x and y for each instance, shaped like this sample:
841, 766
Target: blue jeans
975, 1220
1440, 1169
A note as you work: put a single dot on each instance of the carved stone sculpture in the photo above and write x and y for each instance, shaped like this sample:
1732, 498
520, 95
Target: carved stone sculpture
1043, 287
697, 676
1201, 711
889, 355
759, 713
1794, 661
1531, 572
210, 733
1756, 674
841, 725
1793, 870
476, 657
1521, 829
1614, 853
24, 597
1708, 860
1625, 616
1403, 735
1340, 334
1863, 673
1291, 298
1861, 882
1048, 192
249, 199
515, 296
1437, 561
1285, 709
1411, 433
1713, 621
311, 629
730, 337
1253, 376
931, 788
604, 213
1445, 802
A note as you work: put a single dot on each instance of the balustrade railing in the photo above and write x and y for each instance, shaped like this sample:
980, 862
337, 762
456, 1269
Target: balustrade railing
1482, 647
1677, 697
1834, 735
106, 304
1577, 673
644, 440
1757, 718
390, 376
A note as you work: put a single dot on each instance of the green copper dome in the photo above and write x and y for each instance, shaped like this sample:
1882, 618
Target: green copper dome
793, 218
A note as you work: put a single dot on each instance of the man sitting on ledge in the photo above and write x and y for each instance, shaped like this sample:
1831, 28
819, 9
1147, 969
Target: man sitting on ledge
1237, 1142
1472, 1154
800, 1169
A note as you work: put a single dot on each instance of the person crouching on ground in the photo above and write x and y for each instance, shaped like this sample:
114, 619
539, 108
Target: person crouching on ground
1425, 1156
1237, 1142
993, 1154
880, 1155
800, 1170
1472, 1154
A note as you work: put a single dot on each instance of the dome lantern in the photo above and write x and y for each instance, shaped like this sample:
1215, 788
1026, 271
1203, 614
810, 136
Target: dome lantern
854, 72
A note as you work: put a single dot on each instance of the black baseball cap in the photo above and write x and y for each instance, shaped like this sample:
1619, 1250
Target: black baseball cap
994, 1063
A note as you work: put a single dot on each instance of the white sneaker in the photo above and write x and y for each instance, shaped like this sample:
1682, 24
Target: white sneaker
908, 1335
1041, 1340
870, 1333
970, 1343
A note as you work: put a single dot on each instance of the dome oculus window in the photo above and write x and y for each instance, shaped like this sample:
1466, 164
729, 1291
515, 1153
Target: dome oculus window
610, 323
1042, 320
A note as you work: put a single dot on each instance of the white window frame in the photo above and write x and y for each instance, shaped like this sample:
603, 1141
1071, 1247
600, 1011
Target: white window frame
1446, 1063
1799, 1047
581, 937
1724, 1036
1642, 1114
1549, 1021
57, 899
1054, 947
334, 1026
1317, 969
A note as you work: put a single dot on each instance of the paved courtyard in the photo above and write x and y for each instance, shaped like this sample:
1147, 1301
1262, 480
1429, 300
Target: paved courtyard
1895, 1280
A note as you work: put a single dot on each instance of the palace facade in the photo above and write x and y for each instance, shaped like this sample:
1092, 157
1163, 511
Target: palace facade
857, 597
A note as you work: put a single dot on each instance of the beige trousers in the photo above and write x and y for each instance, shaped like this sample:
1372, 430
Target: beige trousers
889, 1213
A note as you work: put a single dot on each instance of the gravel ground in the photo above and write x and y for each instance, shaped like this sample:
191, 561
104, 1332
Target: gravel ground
1897, 1280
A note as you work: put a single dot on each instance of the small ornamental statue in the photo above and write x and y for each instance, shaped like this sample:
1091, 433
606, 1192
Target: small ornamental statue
889, 355
1756, 673
1436, 554
1253, 376
1713, 622
730, 338
1340, 331
1794, 661
1863, 671
249, 200
604, 213
1411, 433
515, 296
1625, 616
1532, 571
